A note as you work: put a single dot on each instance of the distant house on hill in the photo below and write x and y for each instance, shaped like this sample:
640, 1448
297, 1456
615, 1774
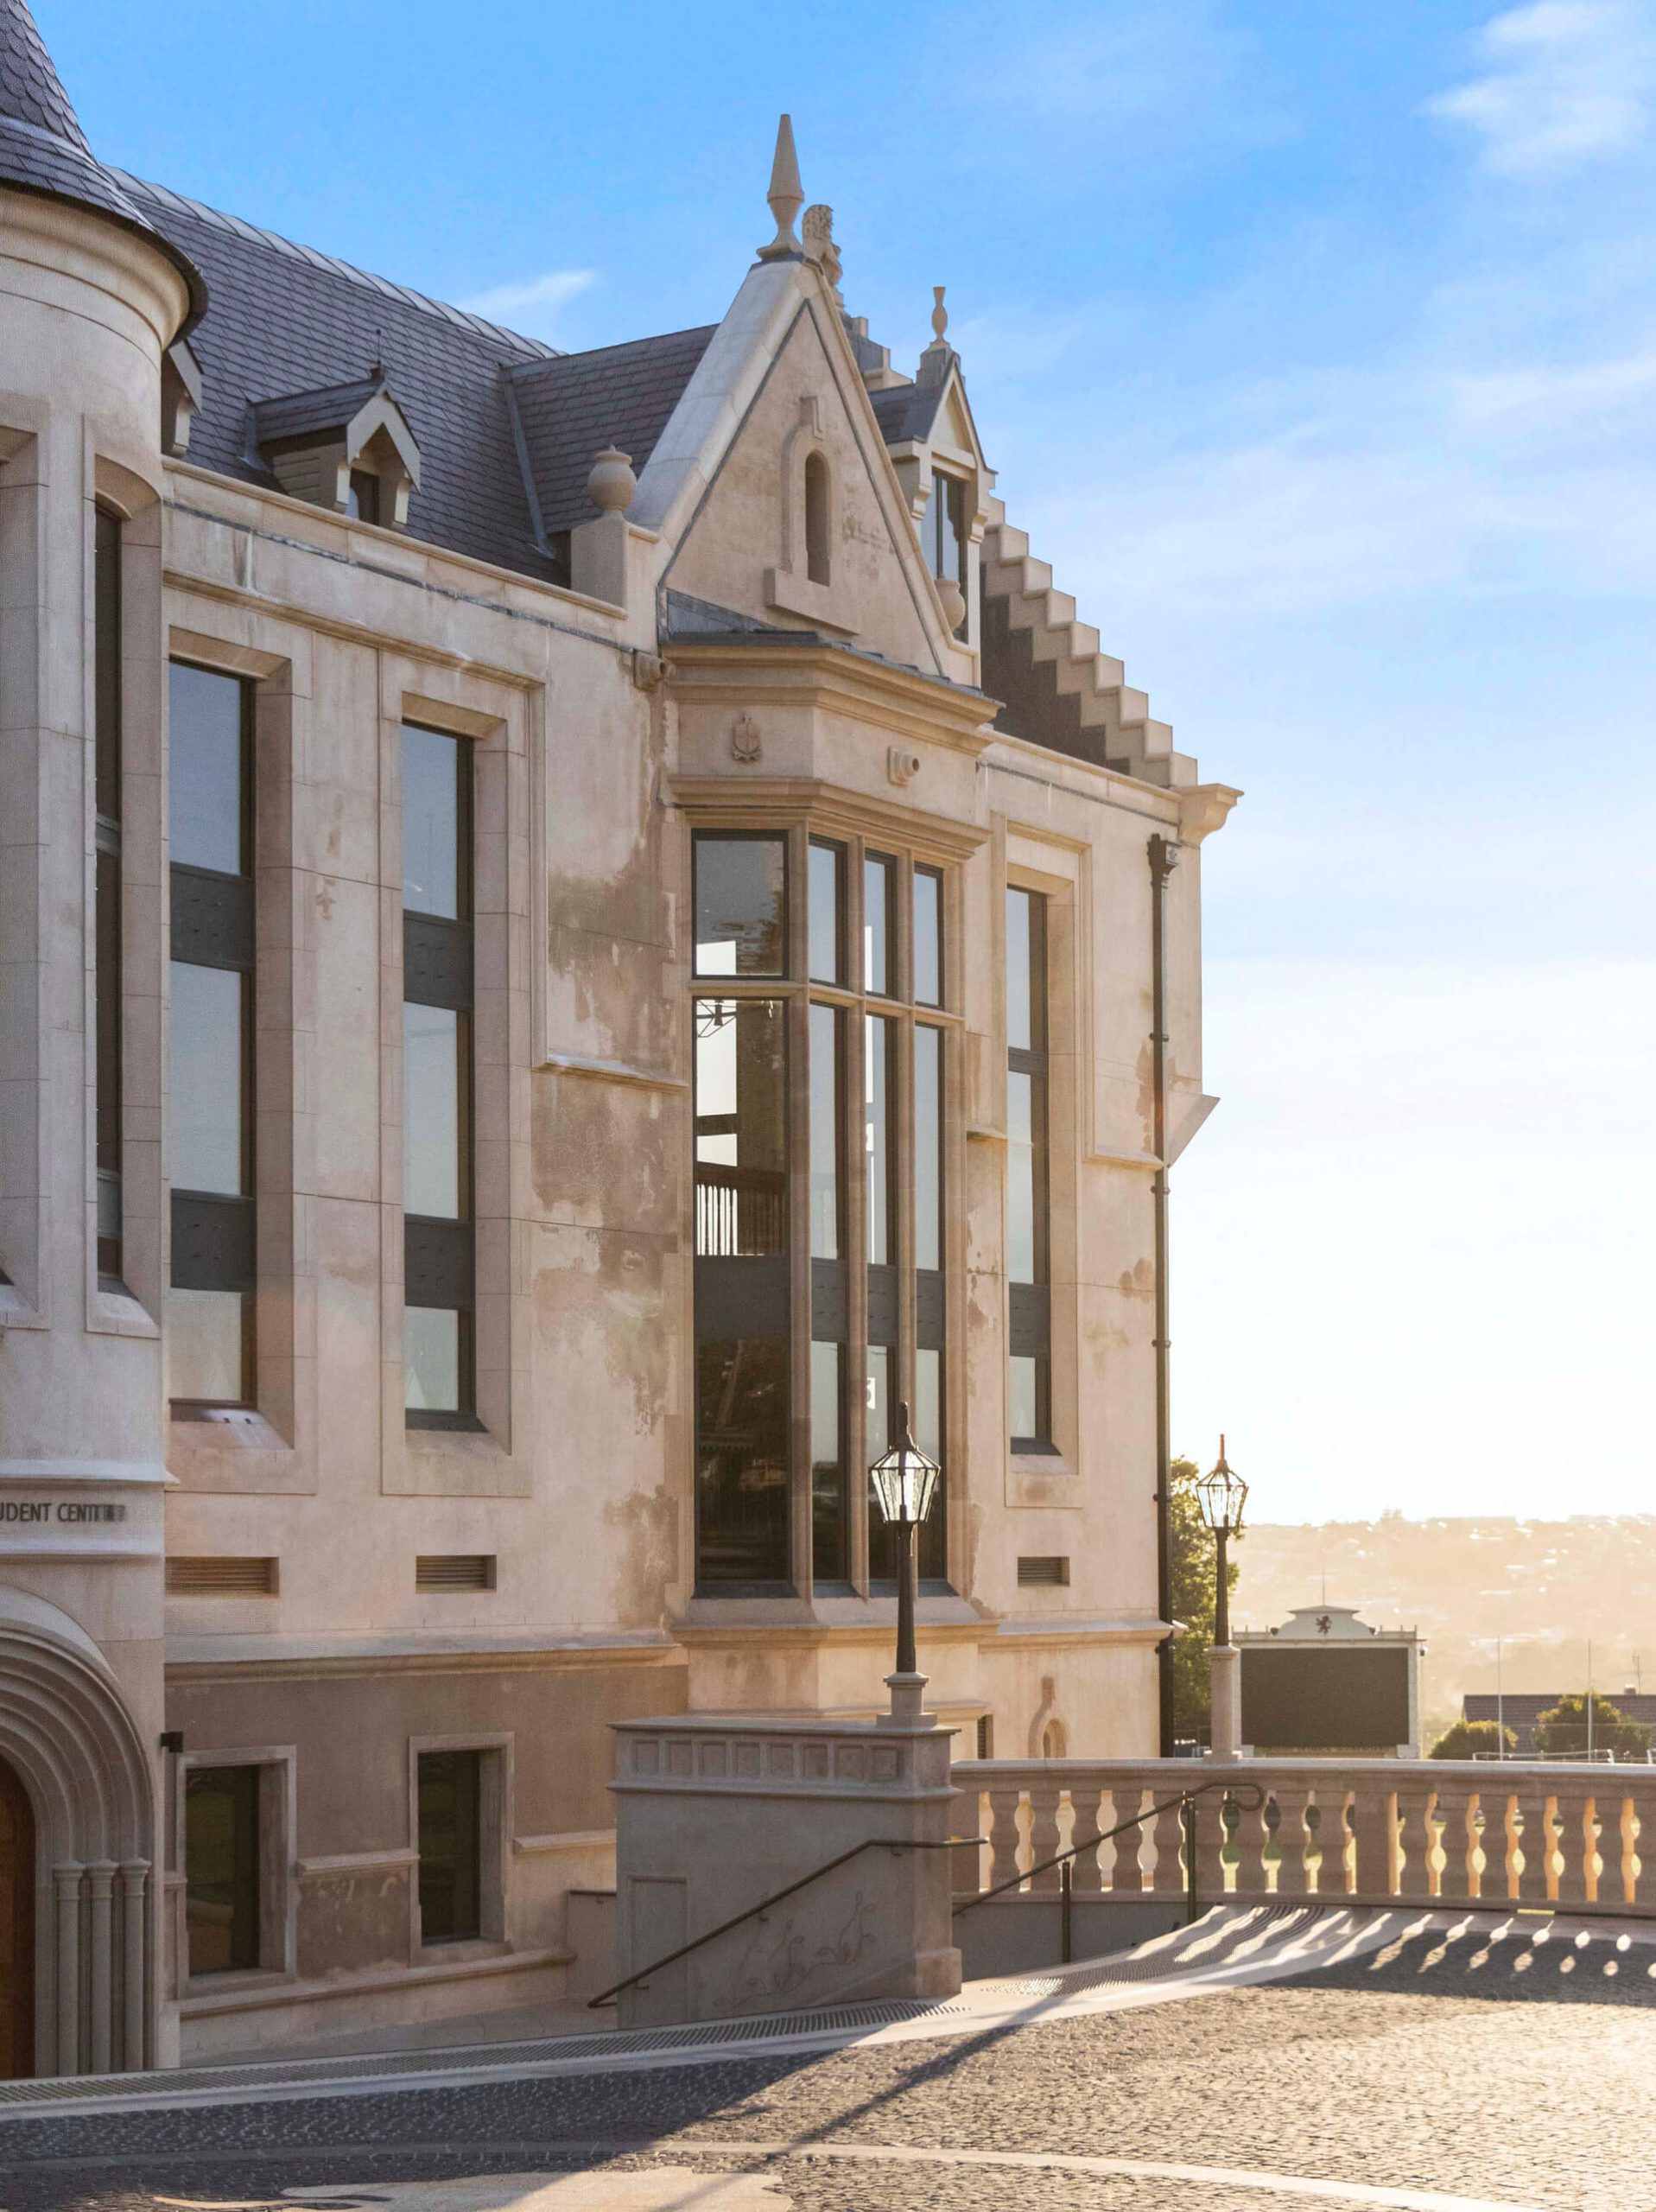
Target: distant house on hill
1520, 1710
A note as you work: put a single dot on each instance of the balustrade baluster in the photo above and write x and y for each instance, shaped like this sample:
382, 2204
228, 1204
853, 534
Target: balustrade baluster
1251, 1834
1638, 1847
1043, 1837
1122, 1859
1293, 1839
1004, 1837
1210, 1848
1456, 1878
1535, 1845
1414, 1841
1370, 1853
1576, 1879
1088, 1803
1168, 1837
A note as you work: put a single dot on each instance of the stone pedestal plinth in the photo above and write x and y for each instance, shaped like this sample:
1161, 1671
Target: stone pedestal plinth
715, 1815
1225, 1661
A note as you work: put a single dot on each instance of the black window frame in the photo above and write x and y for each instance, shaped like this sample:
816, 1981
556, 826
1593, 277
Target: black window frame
108, 981
213, 923
1029, 1304
439, 970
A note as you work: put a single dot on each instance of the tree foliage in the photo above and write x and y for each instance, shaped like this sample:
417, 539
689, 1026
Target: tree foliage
1193, 1587
1471, 1739
1562, 1728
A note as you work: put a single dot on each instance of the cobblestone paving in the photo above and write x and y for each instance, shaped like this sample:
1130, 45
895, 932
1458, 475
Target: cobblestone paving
1389, 2073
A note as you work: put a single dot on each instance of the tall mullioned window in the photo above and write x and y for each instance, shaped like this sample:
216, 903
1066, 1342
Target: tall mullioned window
106, 886
820, 1214
1030, 1368
946, 534
209, 1039
438, 1241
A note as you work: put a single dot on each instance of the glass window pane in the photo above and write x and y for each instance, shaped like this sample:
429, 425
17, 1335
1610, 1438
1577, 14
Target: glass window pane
205, 815
741, 1471
206, 1064
741, 1127
1025, 1106
1020, 1035
828, 1562
877, 1438
1025, 1396
221, 1868
450, 1791
106, 663
433, 1359
207, 1346
876, 926
434, 1071
740, 906
928, 1147
826, 926
932, 1542
433, 823
927, 938
825, 1030
877, 1138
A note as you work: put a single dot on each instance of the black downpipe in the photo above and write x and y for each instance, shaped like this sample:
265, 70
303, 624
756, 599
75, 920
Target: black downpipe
1164, 858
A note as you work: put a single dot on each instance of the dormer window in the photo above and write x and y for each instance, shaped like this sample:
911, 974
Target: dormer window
348, 447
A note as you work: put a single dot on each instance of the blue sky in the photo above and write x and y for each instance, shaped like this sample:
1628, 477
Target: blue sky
1317, 349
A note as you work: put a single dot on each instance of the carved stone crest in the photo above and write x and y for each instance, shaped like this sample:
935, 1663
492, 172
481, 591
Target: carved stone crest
745, 738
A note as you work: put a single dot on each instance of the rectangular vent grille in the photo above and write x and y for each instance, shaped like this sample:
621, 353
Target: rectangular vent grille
1044, 1572
454, 1571
221, 1578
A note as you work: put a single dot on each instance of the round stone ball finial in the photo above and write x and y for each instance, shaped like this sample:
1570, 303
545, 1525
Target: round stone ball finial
612, 485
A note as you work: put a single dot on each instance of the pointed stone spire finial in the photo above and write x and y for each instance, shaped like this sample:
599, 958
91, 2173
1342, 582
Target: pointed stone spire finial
785, 198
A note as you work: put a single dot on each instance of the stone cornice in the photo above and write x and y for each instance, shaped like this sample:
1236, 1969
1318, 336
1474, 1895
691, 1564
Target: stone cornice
740, 671
767, 802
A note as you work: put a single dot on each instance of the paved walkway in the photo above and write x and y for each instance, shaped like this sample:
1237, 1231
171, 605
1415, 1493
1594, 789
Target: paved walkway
1443, 2066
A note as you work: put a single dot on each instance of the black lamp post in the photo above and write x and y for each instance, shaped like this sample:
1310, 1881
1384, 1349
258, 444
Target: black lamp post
905, 1481
1223, 1495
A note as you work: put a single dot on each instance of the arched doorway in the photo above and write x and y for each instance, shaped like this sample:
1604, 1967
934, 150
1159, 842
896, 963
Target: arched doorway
16, 1928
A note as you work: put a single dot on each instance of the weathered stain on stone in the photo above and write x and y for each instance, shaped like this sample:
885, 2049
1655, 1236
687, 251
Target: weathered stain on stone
1138, 1281
646, 1560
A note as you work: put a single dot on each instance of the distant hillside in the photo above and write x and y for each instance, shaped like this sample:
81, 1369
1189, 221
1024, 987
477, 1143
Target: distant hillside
1544, 1587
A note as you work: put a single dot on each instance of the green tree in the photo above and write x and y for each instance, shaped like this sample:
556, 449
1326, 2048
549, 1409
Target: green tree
1471, 1739
1195, 1570
1563, 1727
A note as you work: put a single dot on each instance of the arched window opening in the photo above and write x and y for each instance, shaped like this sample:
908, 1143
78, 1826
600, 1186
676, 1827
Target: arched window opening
816, 518
1054, 1741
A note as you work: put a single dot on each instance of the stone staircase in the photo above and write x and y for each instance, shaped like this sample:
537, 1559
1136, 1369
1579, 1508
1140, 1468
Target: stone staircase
1068, 694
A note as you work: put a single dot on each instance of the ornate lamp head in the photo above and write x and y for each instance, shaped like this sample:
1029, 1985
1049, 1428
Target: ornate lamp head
904, 1479
1222, 1494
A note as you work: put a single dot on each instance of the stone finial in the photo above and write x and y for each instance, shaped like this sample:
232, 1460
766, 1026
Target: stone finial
785, 197
939, 315
612, 483
817, 228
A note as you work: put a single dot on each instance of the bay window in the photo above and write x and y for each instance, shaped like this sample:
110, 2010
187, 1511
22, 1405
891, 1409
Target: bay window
820, 1213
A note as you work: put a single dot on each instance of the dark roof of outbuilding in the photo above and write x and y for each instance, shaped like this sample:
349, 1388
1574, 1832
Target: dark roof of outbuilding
572, 407
43, 149
288, 321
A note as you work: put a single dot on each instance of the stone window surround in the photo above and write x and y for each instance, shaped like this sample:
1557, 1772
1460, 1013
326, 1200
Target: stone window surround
789, 585
284, 1319
278, 1869
23, 1193
836, 816
1058, 873
497, 1818
445, 1461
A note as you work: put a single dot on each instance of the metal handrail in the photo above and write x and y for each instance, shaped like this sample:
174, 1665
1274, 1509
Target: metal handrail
868, 1843
1186, 1803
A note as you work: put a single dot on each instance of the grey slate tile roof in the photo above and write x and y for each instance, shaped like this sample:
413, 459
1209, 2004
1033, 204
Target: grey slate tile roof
302, 413
286, 321
43, 149
572, 407
906, 410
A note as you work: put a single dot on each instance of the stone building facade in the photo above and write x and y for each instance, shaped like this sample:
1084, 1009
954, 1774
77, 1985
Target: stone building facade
574, 928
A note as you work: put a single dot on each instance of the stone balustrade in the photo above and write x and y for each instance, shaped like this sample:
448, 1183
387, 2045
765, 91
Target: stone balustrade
1373, 1831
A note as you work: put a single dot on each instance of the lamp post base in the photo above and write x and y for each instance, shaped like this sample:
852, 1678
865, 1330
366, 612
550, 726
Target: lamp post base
1225, 1662
908, 1692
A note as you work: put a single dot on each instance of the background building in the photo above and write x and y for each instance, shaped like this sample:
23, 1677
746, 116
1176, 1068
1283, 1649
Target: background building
543, 994
1325, 1682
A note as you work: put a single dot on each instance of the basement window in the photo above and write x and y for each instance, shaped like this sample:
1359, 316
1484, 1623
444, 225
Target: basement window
1049, 1571
222, 1578
439, 1571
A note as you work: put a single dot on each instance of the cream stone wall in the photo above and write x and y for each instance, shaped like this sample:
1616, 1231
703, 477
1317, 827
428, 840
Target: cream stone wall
592, 766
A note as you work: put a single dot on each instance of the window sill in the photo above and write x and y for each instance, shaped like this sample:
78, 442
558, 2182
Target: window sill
233, 1981
461, 1951
431, 1418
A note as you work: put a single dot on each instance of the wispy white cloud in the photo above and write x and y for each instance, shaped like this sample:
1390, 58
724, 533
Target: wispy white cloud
1564, 80
533, 305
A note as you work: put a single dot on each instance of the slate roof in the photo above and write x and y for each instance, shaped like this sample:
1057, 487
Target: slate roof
906, 410
304, 413
572, 407
43, 149
286, 321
